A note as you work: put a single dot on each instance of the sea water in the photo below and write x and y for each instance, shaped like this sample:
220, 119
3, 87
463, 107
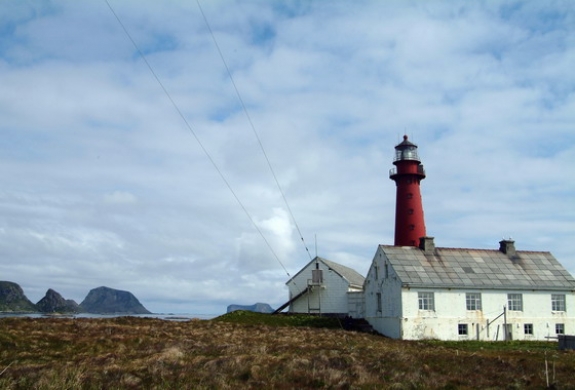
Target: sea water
162, 316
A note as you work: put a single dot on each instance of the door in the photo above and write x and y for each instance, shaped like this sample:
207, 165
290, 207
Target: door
314, 300
509, 332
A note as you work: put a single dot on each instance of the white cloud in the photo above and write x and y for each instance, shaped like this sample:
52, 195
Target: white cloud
104, 183
120, 197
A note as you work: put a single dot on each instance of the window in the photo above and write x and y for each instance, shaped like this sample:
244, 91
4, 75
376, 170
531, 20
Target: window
515, 302
462, 329
426, 301
560, 328
410, 211
386, 270
558, 302
528, 328
378, 301
317, 276
473, 301
409, 195
376, 270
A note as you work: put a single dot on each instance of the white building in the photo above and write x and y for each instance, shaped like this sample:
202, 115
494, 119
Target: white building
459, 294
417, 292
325, 287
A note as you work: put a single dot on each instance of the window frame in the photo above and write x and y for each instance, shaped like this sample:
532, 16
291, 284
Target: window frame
426, 300
528, 329
558, 302
515, 302
560, 328
473, 301
462, 329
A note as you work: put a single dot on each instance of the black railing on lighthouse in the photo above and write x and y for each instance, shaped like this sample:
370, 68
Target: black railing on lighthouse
420, 170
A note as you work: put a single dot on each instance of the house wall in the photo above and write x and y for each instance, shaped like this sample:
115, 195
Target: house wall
329, 297
356, 304
382, 279
450, 311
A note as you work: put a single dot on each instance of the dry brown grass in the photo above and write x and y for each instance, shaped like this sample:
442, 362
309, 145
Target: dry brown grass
132, 353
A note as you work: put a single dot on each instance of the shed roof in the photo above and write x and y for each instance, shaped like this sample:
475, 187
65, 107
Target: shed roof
478, 268
352, 276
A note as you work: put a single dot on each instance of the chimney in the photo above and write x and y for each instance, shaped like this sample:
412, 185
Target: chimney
507, 246
427, 245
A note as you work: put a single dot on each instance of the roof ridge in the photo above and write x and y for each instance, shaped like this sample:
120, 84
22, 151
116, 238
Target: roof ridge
461, 249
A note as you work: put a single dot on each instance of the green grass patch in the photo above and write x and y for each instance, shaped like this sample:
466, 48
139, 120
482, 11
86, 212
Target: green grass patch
252, 318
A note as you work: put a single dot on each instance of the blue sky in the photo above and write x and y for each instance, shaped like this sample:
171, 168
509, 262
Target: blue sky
104, 183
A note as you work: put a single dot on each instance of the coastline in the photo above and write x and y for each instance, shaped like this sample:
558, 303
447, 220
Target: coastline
162, 316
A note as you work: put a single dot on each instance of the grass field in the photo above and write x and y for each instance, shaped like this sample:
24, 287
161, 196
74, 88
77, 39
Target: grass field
247, 350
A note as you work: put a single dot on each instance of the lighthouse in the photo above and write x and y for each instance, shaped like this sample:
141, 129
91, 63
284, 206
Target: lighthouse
407, 174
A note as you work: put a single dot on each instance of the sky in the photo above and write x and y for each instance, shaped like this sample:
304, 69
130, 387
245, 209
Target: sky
198, 154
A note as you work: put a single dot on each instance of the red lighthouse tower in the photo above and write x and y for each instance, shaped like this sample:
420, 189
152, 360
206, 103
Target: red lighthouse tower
407, 174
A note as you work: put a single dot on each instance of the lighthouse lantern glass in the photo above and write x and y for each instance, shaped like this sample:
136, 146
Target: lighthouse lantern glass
406, 153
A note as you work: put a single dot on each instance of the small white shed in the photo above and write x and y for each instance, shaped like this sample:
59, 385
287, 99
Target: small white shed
325, 287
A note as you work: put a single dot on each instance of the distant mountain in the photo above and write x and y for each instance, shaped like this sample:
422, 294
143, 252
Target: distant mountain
53, 302
257, 307
12, 298
105, 300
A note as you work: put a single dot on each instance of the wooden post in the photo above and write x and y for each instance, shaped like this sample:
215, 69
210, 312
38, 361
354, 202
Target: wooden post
505, 323
477, 331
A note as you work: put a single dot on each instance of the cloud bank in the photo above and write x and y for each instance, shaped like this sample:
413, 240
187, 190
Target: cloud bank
104, 183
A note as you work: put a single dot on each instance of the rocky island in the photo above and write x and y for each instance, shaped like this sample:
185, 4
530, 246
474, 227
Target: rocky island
256, 308
101, 300
12, 298
105, 300
53, 302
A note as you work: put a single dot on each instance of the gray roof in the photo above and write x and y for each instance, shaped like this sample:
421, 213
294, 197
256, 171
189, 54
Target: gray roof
352, 276
349, 274
478, 268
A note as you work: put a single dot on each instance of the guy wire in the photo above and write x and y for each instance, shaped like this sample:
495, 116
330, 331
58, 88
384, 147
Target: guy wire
241, 100
220, 173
